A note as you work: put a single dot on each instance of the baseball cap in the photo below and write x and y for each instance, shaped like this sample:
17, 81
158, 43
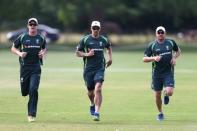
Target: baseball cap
33, 19
160, 28
95, 23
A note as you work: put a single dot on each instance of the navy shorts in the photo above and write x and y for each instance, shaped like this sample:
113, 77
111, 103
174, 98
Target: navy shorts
92, 77
165, 81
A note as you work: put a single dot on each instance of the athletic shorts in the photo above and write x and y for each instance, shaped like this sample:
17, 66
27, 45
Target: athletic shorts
92, 77
165, 81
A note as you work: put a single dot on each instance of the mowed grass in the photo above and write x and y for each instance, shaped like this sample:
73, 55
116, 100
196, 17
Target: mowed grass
128, 102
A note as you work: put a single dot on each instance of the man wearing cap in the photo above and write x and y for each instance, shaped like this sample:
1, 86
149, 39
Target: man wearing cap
163, 53
31, 48
91, 48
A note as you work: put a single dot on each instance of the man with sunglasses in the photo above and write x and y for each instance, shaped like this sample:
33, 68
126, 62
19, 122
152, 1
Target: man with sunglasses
163, 53
31, 48
91, 48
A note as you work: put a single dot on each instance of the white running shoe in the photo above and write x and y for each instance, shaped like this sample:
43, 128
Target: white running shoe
31, 119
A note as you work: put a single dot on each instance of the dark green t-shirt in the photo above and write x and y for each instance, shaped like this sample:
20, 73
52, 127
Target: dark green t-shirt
98, 45
32, 45
165, 50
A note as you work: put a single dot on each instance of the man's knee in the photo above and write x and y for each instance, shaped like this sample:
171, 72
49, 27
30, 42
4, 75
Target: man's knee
169, 91
98, 85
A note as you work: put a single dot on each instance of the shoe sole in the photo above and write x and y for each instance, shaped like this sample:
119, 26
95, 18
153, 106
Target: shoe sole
96, 119
160, 120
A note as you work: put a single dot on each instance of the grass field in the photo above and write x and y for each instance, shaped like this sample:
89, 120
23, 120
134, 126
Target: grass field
128, 103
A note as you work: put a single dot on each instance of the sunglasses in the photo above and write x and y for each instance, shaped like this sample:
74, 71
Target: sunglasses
95, 28
160, 32
32, 24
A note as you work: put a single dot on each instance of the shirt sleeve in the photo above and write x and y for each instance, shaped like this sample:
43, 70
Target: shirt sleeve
108, 44
44, 45
17, 42
81, 45
175, 46
148, 52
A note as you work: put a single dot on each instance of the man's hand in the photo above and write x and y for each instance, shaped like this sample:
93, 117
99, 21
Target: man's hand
157, 58
22, 54
90, 53
108, 63
41, 54
173, 61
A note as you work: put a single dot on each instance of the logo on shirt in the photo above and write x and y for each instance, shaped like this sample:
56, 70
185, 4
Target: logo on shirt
101, 43
167, 47
157, 49
33, 46
27, 42
91, 43
37, 41
97, 49
165, 53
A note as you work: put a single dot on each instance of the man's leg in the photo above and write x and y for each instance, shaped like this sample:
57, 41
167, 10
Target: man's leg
92, 105
158, 100
160, 116
91, 97
24, 86
98, 96
89, 81
24, 81
33, 95
169, 86
168, 91
157, 86
97, 100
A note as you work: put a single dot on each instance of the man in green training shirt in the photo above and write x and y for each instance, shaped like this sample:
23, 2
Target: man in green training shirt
31, 48
91, 48
163, 53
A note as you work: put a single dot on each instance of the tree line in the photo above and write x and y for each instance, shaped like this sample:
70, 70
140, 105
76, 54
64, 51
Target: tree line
118, 15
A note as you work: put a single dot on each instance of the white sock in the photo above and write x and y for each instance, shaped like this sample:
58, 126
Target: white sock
91, 104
